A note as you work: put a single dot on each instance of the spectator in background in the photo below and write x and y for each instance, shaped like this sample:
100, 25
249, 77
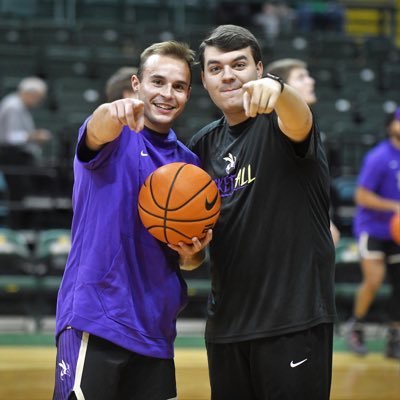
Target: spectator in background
119, 85
17, 127
378, 198
295, 73
320, 16
274, 18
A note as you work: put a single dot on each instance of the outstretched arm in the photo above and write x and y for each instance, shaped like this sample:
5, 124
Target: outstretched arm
369, 199
108, 120
264, 95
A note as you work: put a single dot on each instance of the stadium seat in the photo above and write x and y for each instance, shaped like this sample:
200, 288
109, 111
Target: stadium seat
4, 198
62, 60
390, 76
333, 46
343, 190
100, 10
36, 199
76, 97
15, 256
42, 32
18, 60
378, 49
51, 251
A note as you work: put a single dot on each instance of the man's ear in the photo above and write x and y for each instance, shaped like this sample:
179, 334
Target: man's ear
135, 83
260, 70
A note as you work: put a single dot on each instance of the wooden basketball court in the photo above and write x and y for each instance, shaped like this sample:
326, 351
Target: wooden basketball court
26, 373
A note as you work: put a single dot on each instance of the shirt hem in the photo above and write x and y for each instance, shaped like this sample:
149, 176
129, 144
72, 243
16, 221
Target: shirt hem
242, 337
127, 338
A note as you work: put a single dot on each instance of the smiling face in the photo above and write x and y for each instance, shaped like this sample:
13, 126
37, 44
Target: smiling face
164, 89
300, 79
223, 77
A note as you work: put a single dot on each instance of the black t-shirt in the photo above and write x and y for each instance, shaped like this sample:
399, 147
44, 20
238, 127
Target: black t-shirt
272, 255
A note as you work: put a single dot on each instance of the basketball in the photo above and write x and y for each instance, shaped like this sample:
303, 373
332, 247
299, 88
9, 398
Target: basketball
177, 202
395, 228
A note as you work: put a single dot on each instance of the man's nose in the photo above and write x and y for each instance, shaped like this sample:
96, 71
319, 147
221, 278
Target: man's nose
166, 90
228, 73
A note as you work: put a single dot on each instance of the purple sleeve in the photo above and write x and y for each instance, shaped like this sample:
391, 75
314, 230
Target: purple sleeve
370, 175
101, 156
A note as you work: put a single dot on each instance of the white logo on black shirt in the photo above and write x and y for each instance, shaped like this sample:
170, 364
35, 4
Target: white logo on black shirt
231, 159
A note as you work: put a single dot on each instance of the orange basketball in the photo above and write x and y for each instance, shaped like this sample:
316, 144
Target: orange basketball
179, 201
395, 228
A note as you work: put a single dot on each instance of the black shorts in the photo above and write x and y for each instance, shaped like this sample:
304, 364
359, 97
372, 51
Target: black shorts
91, 368
292, 366
388, 251
373, 248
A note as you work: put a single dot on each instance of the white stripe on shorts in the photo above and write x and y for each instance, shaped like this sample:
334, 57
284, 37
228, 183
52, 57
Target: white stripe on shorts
394, 259
363, 248
79, 366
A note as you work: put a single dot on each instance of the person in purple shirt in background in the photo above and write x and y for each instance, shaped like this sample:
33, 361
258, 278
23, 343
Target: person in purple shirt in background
122, 289
378, 198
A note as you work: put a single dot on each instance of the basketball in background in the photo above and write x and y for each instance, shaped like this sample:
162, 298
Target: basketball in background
395, 228
179, 201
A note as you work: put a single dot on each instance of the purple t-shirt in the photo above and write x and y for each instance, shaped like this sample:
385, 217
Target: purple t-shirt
120, 283
380, 174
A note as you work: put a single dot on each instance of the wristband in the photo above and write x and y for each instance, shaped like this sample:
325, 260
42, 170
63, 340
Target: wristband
276, 78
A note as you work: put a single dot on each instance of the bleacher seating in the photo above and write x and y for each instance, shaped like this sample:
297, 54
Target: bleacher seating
14, 253
4, 199
51, 251
343, 190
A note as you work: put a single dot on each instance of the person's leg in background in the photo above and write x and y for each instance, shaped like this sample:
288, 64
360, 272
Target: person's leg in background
373, 270
393, 270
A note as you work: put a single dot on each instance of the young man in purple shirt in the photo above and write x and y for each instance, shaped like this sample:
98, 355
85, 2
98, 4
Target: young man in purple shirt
122, 289
378, 198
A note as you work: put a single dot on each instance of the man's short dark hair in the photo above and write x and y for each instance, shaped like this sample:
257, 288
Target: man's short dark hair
230, 38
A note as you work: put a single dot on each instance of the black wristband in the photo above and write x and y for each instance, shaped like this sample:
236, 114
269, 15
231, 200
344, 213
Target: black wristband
276, 78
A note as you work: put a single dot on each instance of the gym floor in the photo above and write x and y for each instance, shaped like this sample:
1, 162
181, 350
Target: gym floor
27, 365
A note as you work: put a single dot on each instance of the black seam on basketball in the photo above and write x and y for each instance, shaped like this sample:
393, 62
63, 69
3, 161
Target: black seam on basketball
152, 194
171, 186
178, 220
172, 229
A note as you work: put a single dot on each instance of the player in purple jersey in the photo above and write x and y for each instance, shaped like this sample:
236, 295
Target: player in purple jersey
378, 198
122, 289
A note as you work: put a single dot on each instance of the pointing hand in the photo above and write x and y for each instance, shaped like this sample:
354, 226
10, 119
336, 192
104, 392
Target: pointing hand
260, 96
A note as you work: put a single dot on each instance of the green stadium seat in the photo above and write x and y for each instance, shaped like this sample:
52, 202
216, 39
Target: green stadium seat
63, 60
15, 256
4, 199
18, 60
343, 189
51, 251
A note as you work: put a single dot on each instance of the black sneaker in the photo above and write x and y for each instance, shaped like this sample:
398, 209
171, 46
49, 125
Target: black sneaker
393, 343
355, 339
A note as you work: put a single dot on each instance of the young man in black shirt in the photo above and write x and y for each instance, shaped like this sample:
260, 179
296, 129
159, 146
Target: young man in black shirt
271, 310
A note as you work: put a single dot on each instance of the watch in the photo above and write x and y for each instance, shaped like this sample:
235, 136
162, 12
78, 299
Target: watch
276, 78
